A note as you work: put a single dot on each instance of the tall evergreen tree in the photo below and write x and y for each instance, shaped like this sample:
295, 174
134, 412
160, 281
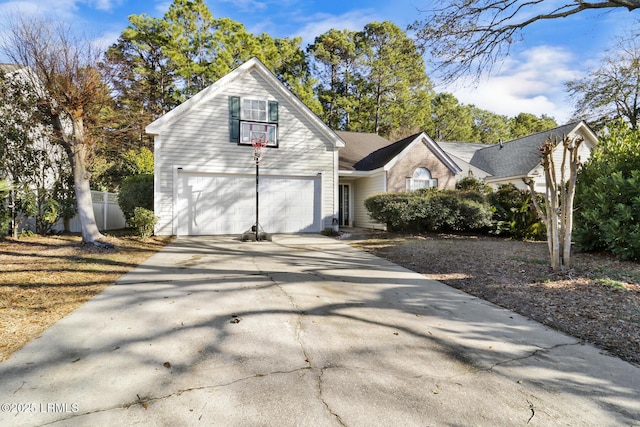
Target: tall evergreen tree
526, 123
452, 121
336, 54
372, 80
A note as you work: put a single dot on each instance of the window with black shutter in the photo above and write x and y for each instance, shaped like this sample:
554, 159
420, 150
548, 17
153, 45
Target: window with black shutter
250, 119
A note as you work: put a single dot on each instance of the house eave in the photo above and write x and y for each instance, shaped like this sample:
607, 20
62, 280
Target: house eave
494, 179
360, 174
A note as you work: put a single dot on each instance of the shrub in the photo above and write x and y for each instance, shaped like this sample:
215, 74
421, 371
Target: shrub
514, 213
610, 222
136, 192
470, 183
430, 210
608, 196
143, 221
5, 210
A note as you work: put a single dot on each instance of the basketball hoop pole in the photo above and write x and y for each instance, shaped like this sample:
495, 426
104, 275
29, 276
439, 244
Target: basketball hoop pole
257, 196
259, 145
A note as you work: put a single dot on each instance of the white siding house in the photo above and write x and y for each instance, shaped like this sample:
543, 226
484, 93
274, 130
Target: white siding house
205, 173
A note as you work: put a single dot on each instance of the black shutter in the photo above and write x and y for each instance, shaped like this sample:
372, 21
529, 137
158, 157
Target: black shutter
234, 119
273, 111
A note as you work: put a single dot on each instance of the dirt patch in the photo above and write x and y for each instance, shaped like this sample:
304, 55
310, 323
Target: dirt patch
597, 300
45, 278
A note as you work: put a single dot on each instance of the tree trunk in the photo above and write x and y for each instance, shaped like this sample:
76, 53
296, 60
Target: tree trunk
90, 232
77, 152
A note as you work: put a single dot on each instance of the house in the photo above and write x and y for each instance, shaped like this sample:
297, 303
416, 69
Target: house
311, 178
369, 164
205, 173
518, 160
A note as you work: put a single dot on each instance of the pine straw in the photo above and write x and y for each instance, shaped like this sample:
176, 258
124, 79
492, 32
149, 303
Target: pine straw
597, 300
45, 278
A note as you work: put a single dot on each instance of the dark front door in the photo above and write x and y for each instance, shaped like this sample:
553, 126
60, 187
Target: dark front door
344, 194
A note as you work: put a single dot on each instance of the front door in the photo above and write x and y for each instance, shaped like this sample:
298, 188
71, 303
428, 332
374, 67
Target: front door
344, 213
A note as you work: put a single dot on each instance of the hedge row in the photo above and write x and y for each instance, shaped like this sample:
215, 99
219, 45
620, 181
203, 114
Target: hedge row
430, 210
473, 207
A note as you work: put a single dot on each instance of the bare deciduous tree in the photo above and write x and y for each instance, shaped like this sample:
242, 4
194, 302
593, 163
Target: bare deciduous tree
70, 91
471, 35
557, 213
611, 91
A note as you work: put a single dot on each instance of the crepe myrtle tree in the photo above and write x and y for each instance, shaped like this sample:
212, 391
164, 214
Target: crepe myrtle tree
557, 212
70, 93
470, 36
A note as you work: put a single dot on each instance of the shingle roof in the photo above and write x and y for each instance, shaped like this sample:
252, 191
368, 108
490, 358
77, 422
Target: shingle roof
462, 150
384, 155
519, 156
358, 145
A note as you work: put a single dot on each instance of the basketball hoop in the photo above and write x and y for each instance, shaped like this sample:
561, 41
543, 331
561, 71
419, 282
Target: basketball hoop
258, 145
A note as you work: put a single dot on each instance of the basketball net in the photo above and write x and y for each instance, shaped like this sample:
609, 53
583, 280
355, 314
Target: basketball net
259, 145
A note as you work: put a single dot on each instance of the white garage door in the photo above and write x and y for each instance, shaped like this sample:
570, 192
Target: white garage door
210, 204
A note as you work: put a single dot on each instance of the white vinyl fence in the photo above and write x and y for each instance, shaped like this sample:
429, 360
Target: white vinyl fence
108, 214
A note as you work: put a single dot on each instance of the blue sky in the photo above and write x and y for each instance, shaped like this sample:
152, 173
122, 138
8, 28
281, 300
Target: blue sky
530, 80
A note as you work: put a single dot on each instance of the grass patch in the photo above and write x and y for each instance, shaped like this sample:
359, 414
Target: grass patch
612, 283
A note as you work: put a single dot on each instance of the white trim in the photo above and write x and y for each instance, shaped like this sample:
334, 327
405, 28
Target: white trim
174, 207
245, 171
346, 173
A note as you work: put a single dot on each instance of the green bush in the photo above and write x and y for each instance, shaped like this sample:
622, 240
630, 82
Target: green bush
612, 221
470, 183
430, 210
514, 213
136, 192
143, 221
5, 211
608, 196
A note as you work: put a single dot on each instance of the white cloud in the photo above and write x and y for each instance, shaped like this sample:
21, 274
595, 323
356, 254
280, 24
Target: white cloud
320, 23
63, 9
530, 82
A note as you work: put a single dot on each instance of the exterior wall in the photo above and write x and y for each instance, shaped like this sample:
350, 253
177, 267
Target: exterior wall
420, 156
363, 188
199, 141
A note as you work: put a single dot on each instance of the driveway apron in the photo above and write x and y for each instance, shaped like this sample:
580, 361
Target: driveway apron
304, 331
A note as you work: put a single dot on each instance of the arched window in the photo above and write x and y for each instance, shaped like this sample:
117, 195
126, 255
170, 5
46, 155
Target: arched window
421, 179
421, 173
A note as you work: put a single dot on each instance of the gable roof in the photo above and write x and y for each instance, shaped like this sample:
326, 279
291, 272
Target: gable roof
253, 65
360, 153
357, 146
520, 156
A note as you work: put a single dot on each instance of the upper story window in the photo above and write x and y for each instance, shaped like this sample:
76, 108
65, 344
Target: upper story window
254, 110
253, 118
421, 179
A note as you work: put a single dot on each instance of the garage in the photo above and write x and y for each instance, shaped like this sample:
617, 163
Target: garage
212, 204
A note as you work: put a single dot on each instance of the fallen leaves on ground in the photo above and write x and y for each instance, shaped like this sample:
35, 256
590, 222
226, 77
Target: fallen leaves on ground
45, 278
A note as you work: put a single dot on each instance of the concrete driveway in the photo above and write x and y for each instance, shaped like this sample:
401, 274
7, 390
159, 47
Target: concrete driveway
304, 331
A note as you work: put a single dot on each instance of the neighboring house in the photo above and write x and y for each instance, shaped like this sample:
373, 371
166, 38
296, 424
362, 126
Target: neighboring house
205, 174
369, 164
519, 159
